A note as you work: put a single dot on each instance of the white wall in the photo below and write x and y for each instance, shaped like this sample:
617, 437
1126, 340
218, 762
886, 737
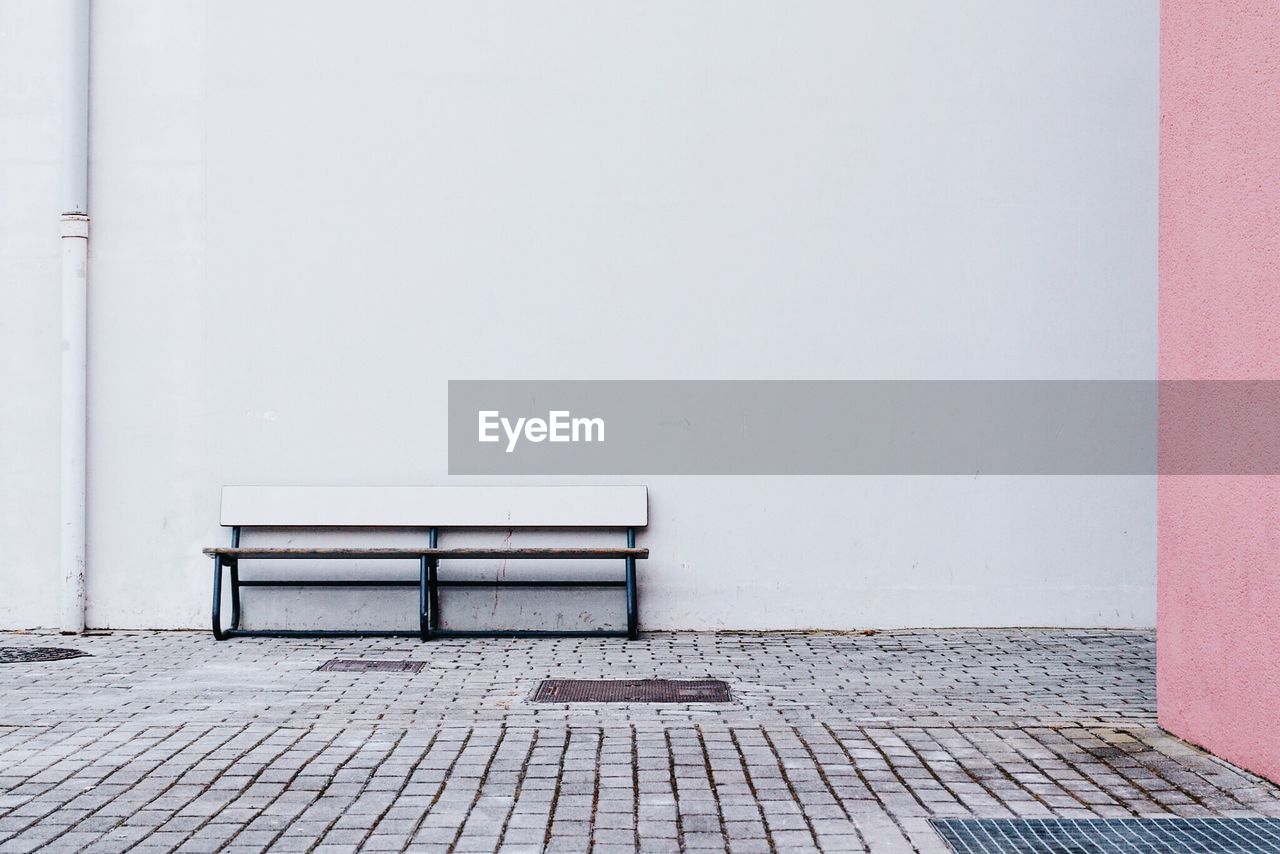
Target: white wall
307, 217
30, 154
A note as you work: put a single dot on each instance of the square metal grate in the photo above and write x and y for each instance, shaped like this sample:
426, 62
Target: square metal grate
632, 691
1104, 836
346, 665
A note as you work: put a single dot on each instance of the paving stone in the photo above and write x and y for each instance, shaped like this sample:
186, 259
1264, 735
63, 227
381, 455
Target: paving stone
170, 741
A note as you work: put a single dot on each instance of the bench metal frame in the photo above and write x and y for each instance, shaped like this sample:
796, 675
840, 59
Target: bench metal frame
428, 584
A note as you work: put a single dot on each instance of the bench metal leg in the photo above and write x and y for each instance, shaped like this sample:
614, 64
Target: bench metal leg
235, 594
433, 584
218, 633
633, 601
424, 607
433, 592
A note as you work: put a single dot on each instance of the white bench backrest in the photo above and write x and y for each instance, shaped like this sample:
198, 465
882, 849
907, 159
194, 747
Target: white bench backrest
440, 506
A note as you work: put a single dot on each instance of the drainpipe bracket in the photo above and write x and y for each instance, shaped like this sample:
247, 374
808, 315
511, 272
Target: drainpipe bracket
75, 225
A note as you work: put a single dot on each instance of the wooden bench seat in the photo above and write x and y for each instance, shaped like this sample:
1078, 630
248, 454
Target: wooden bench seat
460, 553
430, 510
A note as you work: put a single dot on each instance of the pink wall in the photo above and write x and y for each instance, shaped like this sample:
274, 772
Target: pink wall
1218, 637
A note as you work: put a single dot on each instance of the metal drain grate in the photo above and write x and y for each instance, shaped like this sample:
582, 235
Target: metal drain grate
346, 665
632, 691
24, 654
1104, 836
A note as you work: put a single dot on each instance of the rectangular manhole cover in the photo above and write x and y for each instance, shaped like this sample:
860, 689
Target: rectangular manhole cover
1103, 836
345, 665
632, 691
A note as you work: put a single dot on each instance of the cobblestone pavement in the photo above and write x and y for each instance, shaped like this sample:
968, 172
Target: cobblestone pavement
162, 741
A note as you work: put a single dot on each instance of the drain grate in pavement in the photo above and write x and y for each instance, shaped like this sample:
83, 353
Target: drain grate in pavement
346, 665
24, 654
1104, 836
632, 691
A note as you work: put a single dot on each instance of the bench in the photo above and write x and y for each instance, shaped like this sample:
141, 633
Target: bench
430, 511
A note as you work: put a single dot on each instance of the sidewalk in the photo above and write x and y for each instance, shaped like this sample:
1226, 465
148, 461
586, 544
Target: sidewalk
170, 741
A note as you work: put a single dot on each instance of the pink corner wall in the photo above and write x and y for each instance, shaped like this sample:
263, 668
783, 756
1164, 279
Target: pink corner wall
1218, 623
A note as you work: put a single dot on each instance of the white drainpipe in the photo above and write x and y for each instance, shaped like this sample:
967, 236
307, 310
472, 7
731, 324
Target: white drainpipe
75, 313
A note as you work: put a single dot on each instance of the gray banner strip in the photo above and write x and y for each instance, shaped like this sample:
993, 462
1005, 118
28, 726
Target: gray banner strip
703, 427
801, 427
